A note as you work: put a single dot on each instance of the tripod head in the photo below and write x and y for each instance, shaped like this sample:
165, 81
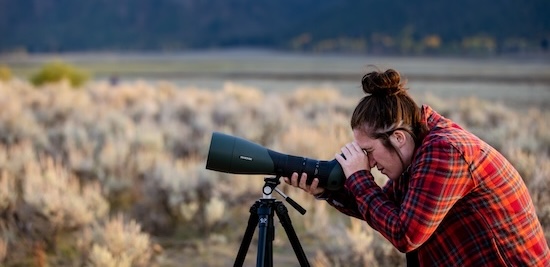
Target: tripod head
271, 184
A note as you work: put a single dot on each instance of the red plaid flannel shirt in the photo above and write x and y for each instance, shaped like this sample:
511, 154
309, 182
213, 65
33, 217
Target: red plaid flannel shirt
461, 203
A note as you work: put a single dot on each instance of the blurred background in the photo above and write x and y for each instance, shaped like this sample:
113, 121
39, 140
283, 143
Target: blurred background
108, 108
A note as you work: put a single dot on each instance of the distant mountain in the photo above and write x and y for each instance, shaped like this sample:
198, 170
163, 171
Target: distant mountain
391, 26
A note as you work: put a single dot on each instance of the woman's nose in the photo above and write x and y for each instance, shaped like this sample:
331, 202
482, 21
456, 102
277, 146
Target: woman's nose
372, 162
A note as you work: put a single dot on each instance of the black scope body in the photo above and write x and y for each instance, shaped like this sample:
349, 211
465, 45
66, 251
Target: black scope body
236, 155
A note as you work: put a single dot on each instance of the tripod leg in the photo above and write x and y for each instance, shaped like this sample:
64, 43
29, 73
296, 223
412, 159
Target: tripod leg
265, 211
282, 213
268, 260
248, 234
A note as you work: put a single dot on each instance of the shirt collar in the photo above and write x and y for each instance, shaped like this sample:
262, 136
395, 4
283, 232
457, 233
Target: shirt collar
429, 116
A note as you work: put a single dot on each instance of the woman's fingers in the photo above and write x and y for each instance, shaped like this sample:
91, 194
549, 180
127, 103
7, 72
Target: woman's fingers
357, 147
301, 182
353, 147
313, 187
350, 149
354, 158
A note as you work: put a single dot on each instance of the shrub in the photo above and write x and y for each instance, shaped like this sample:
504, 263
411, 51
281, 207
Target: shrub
59, 196
59, 71
117, 242
189, 194
8, 195
5, 73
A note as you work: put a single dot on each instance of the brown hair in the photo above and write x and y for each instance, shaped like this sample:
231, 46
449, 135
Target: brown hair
387, 107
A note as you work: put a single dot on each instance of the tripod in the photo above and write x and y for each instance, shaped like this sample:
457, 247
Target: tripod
261, 214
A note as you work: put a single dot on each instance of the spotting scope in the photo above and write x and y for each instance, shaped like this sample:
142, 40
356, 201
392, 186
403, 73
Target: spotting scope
236, 155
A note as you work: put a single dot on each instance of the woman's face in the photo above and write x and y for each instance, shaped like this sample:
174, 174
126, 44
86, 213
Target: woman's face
386, 160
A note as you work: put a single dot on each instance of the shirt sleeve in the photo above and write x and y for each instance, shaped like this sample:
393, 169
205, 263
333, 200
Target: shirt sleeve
439, 178
344, 201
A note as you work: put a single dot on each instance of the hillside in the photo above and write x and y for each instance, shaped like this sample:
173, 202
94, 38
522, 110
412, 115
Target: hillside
393, 26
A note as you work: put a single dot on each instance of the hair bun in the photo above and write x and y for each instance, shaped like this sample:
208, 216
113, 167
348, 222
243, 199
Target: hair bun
379, 83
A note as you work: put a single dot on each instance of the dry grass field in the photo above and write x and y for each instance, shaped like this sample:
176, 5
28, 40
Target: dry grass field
114, 175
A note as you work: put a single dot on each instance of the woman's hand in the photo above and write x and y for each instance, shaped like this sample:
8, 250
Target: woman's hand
312, 188
355, 159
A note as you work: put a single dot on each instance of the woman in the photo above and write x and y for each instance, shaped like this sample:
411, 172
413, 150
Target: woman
451, 199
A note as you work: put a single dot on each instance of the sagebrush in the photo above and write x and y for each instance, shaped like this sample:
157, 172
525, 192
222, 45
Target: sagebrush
78, 166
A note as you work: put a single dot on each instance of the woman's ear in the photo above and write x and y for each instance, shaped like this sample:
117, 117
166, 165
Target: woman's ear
398, 138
